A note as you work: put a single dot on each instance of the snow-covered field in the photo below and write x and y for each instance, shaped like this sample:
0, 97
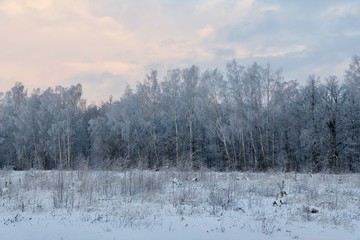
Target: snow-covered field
178, 205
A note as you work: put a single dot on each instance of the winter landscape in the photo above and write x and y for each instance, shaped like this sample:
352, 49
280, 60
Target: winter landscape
246, 155
174, 119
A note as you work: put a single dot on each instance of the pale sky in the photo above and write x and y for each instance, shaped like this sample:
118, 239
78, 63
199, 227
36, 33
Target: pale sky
107, 44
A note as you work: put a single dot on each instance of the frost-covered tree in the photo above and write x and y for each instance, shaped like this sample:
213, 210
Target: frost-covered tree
172, 119
311, 133
11, 107
334, 114
27, 134
215, 113
287, 125
352, 88
237, 119
189, 96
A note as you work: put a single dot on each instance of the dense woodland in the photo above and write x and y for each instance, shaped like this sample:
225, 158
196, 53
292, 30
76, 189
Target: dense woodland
245, 118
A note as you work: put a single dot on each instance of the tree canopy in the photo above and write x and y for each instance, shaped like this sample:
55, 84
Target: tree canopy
244, 119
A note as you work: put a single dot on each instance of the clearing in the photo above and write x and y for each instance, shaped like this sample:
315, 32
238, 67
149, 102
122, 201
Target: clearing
175, 205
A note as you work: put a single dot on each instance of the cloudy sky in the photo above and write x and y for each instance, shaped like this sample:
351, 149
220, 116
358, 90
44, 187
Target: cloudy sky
107, 44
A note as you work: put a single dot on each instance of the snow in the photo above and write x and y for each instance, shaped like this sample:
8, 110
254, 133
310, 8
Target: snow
148, 205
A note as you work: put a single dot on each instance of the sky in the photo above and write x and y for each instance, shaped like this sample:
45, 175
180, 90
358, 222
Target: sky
109, 44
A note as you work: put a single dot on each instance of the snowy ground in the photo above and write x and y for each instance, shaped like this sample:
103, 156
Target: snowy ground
178, 205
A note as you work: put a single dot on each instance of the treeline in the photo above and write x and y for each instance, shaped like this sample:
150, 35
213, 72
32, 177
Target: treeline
246, 118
